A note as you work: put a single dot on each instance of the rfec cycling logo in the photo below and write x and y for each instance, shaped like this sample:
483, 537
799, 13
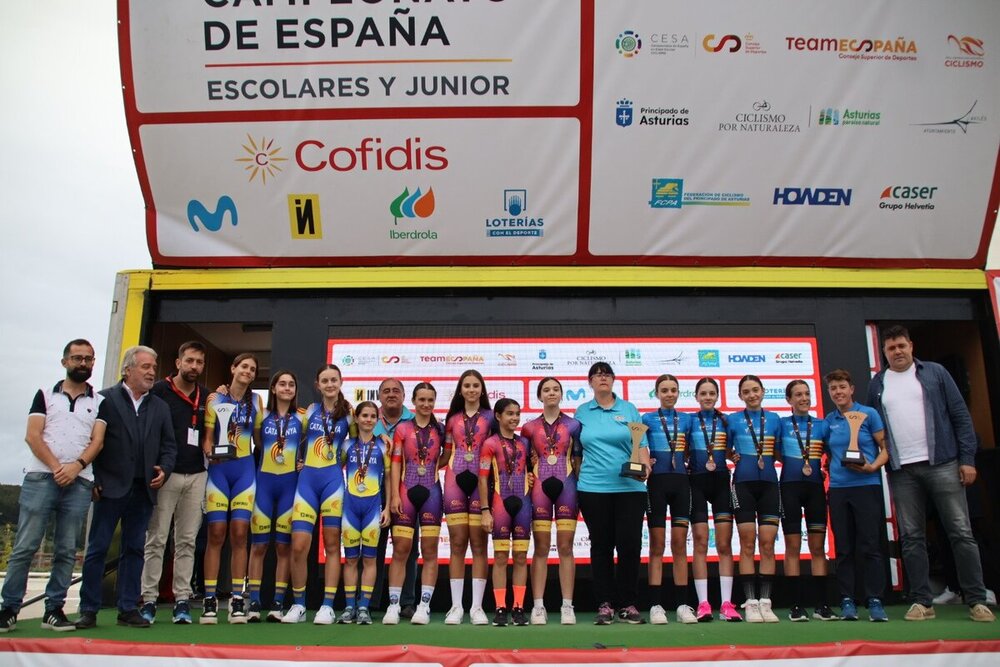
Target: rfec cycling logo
263, 158
968, 52
629, 43
412, 205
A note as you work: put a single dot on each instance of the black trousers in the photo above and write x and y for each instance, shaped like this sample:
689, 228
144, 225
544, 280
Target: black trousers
615, 524
857, 519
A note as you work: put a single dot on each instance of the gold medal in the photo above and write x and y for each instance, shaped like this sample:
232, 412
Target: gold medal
552, 459
469, 457
760, 462
710, 465
421, 470
807, 469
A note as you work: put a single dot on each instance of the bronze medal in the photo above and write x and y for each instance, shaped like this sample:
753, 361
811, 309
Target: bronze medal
552, 459
807, 469
760, 462
710, 464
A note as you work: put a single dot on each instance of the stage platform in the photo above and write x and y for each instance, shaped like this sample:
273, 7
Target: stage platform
949, 641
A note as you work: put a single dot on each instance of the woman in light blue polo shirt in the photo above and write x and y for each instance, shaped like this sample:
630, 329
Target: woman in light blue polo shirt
612, 505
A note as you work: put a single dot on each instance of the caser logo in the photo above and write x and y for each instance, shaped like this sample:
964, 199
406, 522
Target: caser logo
370, 155
915, 197
212, 220
812, 196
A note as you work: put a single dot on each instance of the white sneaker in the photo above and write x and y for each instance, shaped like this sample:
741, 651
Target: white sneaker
295, 614
948, 596
539, 616
766, 613
752, 610
567, 616
657, 615
422, 616
324, 616
454, 616
391, 615
685, 614
478, 616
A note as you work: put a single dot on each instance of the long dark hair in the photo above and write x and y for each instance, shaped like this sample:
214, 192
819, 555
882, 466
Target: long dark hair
413, 397
458, 401
715, 411
342, 408
272, 400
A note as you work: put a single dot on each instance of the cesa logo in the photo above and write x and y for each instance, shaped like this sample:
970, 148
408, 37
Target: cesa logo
371, 155
212, 220
730, 43
629, 43
415, 205
812, 196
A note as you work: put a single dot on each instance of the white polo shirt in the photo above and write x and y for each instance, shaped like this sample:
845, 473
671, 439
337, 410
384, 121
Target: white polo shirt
68, 425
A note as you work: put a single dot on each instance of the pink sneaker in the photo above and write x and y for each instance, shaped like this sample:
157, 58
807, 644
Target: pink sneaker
728, 613
704, 612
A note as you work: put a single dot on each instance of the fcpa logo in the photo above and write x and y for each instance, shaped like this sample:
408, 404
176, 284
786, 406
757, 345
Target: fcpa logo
412, 205
628, 43
623, 113
667, 193
262, 158
708, 358
304, 218
212, 220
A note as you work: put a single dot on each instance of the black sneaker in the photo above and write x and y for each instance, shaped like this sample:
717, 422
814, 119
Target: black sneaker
87, 620
253, 614
500, 617
132, 619
8, 619
237, 610
605, 615
148, 612
824, 613
630, 615
182, 613
407, 611
55, 619
518, 616
275, 615
209, 611
797, 614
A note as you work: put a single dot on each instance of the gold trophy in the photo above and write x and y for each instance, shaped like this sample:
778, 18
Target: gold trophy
225, 446
633, 467
853, 455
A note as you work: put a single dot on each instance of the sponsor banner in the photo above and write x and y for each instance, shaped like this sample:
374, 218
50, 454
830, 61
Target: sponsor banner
364, 189
565, 132
514, 368
263, 56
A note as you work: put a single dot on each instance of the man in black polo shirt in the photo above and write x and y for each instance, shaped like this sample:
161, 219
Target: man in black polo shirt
183, 493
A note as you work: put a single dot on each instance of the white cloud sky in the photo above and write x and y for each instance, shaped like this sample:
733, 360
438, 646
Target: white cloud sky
70, 204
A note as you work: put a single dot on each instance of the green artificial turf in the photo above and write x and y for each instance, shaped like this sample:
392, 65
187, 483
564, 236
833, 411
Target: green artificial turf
952, 623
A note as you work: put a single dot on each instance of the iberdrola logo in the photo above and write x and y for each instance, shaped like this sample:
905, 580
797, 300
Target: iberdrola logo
415, 205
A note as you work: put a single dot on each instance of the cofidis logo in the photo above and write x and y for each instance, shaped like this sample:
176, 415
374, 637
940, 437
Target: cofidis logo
371, 154
262, 158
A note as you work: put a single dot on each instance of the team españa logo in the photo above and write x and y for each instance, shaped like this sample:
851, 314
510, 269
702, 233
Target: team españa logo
262, 158
415, 205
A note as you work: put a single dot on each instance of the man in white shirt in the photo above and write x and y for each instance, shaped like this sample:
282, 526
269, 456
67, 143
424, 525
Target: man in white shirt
932, 451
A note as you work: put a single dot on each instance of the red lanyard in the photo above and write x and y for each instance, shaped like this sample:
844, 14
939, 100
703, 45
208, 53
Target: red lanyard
187, 399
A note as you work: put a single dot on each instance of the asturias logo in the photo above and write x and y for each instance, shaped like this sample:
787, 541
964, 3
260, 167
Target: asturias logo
831, 116
262, 158
623, 113
628, 43
212, 220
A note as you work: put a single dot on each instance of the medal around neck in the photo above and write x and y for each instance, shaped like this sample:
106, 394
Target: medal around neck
225, 444
633, 467
853, 455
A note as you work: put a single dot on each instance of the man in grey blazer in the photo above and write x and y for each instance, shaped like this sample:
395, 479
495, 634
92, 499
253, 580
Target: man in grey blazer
138, 456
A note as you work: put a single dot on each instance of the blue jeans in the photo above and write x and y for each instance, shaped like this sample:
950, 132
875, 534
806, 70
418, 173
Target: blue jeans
911, 486
41, 498
133, 510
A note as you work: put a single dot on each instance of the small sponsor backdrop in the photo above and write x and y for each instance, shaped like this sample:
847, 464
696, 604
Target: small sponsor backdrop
658, 132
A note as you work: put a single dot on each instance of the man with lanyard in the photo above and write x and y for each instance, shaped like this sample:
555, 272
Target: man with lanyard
392, 412
182, 494
65, 433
